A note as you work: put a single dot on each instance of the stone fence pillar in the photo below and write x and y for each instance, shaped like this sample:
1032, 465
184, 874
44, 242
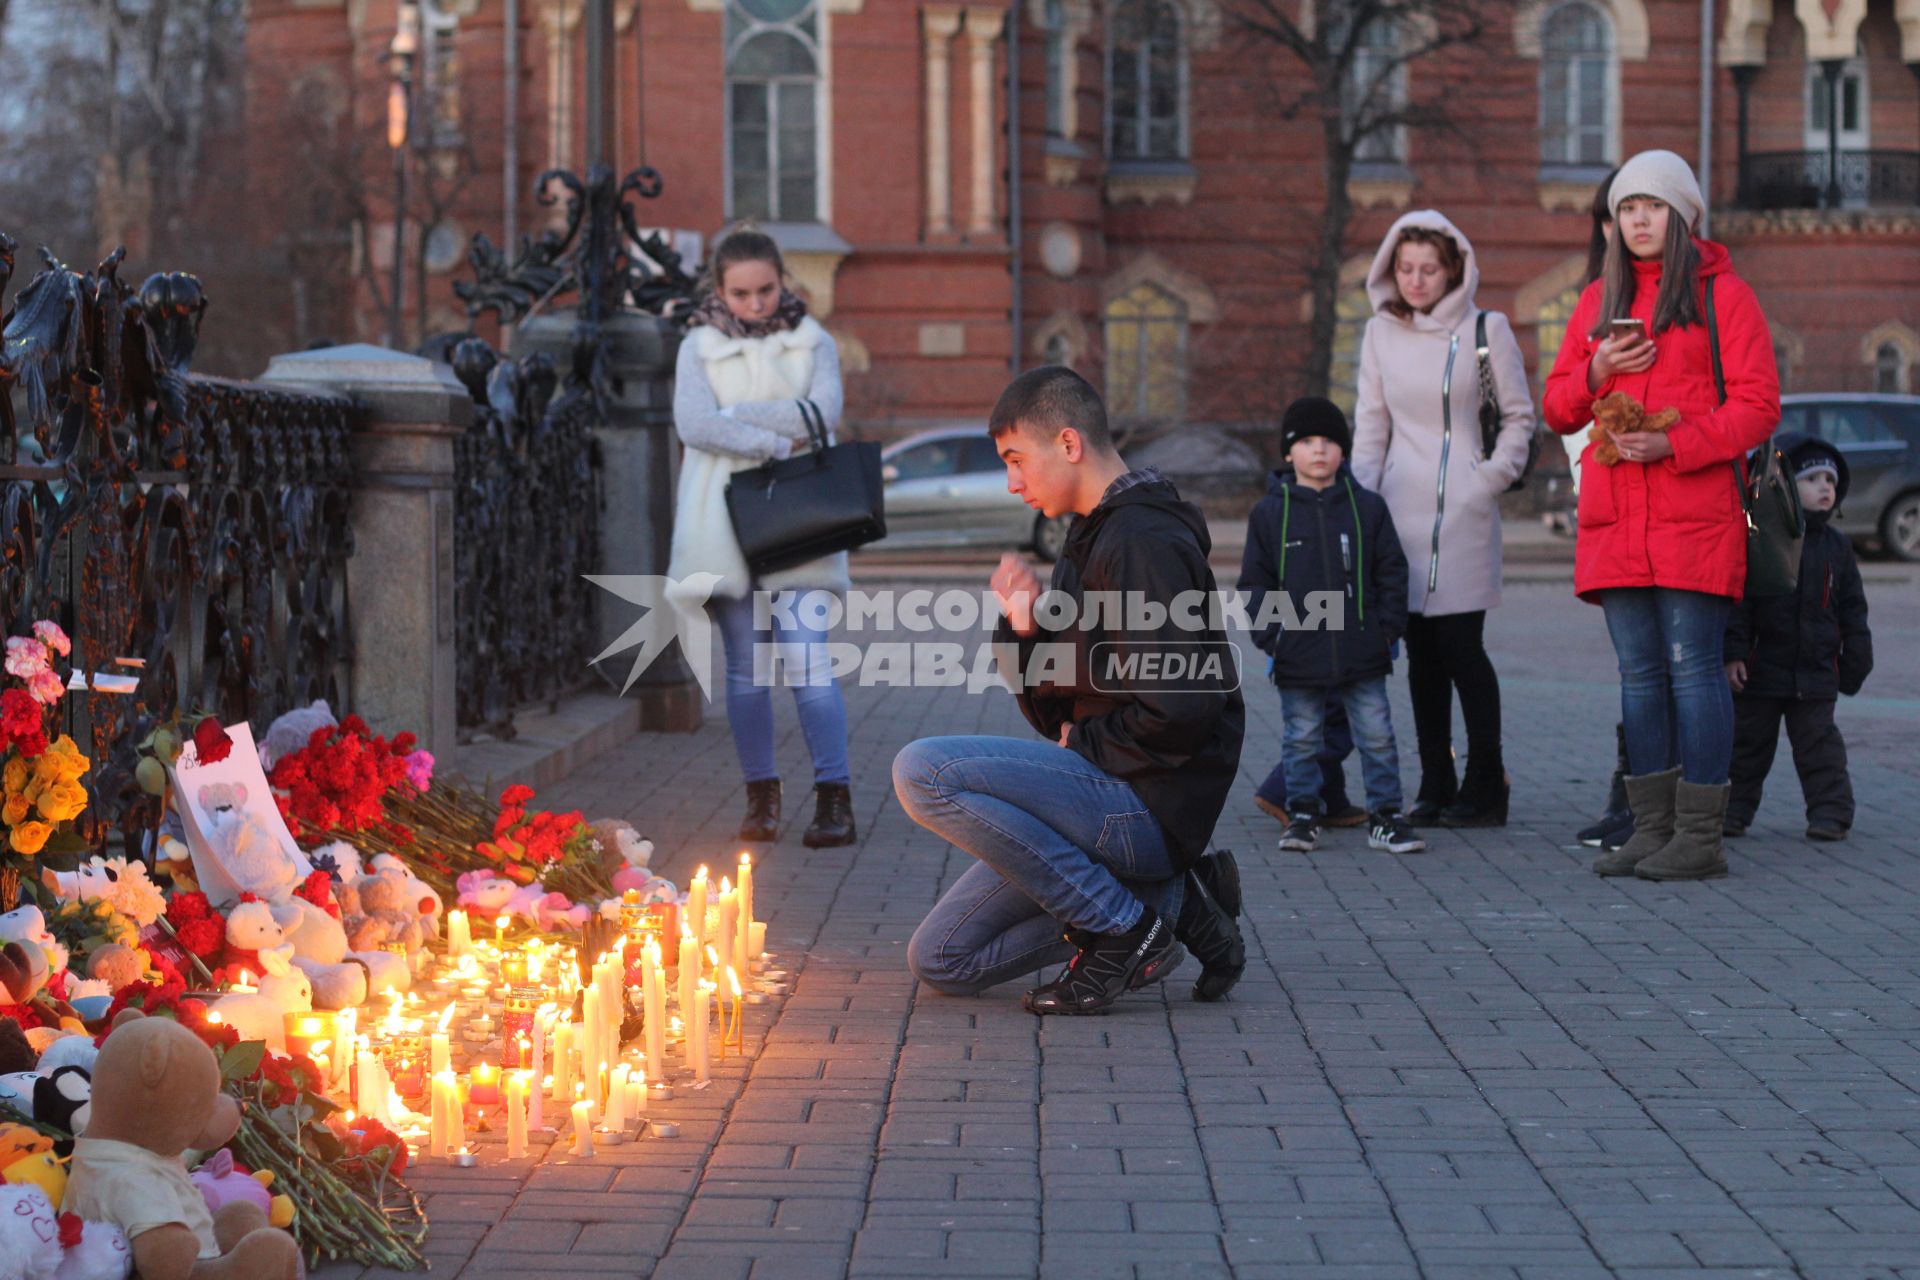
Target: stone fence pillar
400, 577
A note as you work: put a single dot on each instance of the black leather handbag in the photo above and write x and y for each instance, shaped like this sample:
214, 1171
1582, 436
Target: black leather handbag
1490, 407
1769, 498
792, 510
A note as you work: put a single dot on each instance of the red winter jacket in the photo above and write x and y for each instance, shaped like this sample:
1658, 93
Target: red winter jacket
1676, 522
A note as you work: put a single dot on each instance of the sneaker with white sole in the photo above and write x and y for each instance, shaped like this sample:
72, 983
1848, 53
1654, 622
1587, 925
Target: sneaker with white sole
1302, 833
1387, 831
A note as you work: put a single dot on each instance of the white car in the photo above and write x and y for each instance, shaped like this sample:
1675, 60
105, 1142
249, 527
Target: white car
948, 488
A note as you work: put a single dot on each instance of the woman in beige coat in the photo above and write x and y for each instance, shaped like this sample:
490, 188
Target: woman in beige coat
1417, 441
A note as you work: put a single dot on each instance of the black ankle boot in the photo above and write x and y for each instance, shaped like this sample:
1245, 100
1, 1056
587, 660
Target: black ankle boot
832, 824
763, 811
1108, 965
1207, 927
1482, 801
1618, 812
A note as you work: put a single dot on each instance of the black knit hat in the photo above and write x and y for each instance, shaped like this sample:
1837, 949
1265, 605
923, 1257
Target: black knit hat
1314, 416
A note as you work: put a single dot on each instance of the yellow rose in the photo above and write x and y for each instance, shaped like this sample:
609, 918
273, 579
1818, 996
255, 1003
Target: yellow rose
30, 837
67, 755
62, 801
15, 776
15, 810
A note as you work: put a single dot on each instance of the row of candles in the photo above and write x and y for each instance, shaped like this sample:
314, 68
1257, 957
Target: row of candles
545, 1054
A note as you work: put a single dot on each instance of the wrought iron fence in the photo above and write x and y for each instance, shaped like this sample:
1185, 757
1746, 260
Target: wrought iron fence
1808, 179
192, 532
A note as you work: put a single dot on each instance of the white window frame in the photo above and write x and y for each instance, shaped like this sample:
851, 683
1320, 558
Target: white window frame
1183, 121
820, 45
1611, 144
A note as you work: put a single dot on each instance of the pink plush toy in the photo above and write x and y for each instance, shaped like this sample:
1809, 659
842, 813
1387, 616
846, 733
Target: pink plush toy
220, 1183
485, 895
556, 911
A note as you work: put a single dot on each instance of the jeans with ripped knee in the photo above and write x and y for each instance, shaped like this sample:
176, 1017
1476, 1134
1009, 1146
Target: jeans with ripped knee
1673, 681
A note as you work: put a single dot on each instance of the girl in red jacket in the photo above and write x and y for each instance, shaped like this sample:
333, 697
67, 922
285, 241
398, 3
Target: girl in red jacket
1662, 540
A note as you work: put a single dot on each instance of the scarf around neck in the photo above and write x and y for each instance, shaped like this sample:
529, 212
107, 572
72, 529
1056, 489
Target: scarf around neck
786, 315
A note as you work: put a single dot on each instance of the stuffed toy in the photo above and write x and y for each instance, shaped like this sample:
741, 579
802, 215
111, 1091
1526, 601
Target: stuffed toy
380, 908
116, 965
42, 1169
61, 1098
261, 1015
319, 945
16, 1054
554, 911
69, 1051
292, 731
252, 931
485, 895
1620, 414
175, 862
157, 1093
243, 848
625, 854
339, 859
29, 1235
23, 971
424, 897
27, 924
92, 1250
122, 885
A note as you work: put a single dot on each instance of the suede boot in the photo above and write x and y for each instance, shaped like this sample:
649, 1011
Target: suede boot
1651, 797
1696, 851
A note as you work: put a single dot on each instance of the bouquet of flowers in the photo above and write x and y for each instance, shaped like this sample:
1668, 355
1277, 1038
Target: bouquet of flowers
335, 785
40, 790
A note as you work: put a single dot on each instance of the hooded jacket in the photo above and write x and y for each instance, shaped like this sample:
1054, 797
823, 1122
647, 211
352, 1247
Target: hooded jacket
1813, 644
1340, 539
1416, 430
1676, 522
1175, 740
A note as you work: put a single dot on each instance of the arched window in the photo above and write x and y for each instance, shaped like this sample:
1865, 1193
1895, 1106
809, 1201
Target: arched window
1146, 335
1576, 87
773, 110
1552, 331
1376, 86
1146, 70
1890, 370
1054, 23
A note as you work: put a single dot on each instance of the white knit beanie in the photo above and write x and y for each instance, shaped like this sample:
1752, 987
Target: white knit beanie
1664, 176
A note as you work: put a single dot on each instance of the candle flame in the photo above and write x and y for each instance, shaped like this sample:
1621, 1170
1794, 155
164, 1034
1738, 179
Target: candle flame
701, 874
746, 859
215, 1018
726, 886
445, 1018
733, 981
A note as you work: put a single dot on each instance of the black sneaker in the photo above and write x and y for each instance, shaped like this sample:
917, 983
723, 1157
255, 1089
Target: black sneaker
1387, 831
1615, 838
1207, 927
1108, 965
1734, 827
1302, 833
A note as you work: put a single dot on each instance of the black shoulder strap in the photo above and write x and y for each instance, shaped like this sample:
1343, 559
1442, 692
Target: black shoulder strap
1713, 341
1480, 335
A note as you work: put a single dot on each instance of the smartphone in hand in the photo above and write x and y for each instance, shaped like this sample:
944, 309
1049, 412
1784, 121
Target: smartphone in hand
1626, 328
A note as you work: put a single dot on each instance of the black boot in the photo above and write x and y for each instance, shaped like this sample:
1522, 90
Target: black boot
1437, 790
832, 824
1618, 814
1108, 965
1207, 925
1483, 798
763, 811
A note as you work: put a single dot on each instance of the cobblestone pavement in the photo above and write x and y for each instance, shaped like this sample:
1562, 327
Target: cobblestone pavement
1479, 1062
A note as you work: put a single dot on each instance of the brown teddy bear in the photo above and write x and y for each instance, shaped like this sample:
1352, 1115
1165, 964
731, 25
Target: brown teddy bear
377, 909
156, 1092
1620, 414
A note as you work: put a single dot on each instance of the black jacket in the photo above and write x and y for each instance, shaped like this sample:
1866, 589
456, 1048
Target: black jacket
1176, 740
1339, 539
1813, 644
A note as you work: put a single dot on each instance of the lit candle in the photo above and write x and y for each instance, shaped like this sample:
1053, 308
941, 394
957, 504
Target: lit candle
617, 1099
697, 908
656, 1006
592, 1029
697, 1035
729, 922
563, 1060
689, 969
582, 1130
440, 1115
536, 1117
484, 1088
459, 938
757, 940
637, 1093
500, 932
520, 1093
440, 1051
363, 1080
456, 1117
743, 902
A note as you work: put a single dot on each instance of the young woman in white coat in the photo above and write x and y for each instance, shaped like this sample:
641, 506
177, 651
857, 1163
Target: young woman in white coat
752, 356
1416, 440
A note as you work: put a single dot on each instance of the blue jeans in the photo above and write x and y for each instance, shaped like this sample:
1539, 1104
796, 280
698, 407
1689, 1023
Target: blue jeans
1303, 714
794, 655
1673, 682
1058, 841
1336, 745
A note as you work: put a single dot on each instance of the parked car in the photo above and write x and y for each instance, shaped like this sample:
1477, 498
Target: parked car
948, 488
1879, 435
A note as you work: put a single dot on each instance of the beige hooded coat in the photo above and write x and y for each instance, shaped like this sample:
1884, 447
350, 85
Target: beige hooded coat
1428, 465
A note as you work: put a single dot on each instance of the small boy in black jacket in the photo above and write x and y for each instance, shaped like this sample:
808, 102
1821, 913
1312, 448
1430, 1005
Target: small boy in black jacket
1320, 538
1790, 657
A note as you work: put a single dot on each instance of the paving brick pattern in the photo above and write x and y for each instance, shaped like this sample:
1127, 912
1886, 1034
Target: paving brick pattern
1479, 1062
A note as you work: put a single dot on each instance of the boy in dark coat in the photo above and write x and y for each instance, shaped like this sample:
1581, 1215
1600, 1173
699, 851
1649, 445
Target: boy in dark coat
1322, 540
1790, 657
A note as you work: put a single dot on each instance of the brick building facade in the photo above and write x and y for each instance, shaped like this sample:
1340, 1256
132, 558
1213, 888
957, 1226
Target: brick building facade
1154, 237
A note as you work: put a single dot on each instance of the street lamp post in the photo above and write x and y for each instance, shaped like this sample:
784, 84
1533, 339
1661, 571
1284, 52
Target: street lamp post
400, 57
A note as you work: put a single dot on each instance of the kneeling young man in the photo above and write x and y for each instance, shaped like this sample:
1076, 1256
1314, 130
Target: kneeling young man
1099, 831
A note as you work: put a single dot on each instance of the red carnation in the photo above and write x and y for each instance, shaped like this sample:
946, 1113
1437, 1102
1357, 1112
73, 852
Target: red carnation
211, 742
204, 938
185, 908
19, 713
516, 796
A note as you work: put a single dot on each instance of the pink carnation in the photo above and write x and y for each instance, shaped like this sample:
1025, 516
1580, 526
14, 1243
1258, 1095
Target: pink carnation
26, 657
420, 769
46, 687
53, 637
